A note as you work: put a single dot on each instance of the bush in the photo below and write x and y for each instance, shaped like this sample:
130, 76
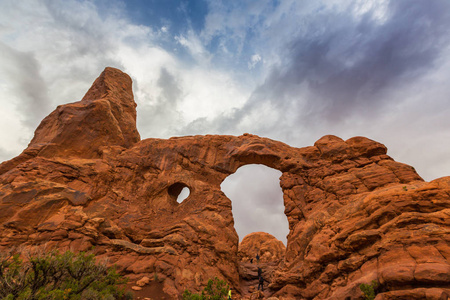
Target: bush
58, 276
369, 290
216, 289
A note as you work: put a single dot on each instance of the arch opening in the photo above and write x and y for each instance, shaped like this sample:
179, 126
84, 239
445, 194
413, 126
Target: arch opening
257, 201
179, 191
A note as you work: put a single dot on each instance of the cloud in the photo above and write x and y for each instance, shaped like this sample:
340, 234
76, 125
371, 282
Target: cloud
195, 47
254, 60
20, 74
348, 64
24, 100
159, 111
345, 63
171, 90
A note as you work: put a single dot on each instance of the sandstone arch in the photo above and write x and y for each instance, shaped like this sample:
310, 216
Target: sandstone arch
354, 213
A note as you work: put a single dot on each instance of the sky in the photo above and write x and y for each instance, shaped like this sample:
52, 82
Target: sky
289, 70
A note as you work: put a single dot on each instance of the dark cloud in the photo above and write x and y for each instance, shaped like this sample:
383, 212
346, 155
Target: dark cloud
347, 63
23, 73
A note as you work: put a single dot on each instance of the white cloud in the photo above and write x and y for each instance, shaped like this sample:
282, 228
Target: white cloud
195, 46
210, 93
254, 60
379, 9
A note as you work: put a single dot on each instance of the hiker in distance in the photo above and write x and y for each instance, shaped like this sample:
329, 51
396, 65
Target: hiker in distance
261, 282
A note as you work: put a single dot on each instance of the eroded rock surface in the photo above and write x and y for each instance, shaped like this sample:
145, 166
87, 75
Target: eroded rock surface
355, 214
266, 246
271, 253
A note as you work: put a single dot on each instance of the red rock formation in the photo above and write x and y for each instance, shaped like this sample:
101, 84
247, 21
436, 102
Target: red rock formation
355, 214
268, 247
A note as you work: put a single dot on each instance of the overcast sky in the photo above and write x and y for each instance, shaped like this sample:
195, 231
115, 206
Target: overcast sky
289, 70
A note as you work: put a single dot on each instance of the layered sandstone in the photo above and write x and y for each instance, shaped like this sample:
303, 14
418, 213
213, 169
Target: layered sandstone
266, 246
355, 215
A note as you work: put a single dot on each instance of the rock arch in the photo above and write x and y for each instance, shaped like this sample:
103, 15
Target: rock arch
354, 213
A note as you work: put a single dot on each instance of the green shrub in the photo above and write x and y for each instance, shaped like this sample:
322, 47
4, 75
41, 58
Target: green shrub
216, 289
58, 276
369, 290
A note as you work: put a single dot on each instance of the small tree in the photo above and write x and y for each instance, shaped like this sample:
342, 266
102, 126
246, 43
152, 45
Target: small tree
369, 290
215, 289
58, 276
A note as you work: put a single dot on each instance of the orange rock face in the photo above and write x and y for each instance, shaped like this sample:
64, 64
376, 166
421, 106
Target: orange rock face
355, 215
266, 246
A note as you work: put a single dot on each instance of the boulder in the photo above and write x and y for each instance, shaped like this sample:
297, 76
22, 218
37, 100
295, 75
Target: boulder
268, 247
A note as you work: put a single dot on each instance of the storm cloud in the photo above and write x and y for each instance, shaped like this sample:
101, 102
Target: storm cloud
341, 64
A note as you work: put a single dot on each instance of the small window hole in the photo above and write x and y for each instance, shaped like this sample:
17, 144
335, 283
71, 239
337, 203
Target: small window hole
183, 195
179, 191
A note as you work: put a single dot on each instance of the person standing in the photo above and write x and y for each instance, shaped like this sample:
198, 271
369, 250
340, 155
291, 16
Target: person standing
261, 283
229, 294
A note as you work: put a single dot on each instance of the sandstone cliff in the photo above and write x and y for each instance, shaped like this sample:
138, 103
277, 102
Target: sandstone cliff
355, 214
